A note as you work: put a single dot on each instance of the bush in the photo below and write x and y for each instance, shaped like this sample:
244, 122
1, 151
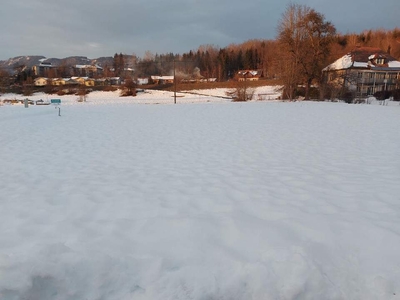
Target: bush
127, 92
348, 97
396, 95
129, 88
382, 95
241, 92
313, 93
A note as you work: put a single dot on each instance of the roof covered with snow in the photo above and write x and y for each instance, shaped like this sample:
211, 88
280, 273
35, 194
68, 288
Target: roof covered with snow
162, 77
88, 66
365, 57
249, 72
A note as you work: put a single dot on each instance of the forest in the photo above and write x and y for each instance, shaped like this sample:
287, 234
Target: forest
305, 44
265, 55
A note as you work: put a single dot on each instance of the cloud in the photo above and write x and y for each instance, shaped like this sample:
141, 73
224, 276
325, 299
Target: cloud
101, 28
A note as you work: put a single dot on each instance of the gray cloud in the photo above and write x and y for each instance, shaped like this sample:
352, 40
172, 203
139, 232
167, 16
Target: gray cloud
96, 28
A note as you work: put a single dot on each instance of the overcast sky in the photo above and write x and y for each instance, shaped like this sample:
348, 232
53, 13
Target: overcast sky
94, 28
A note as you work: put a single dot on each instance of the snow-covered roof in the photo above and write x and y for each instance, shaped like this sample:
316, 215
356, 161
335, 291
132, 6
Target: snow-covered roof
342, 63
45, 64
40, 78
87, 66
364, 57
394, 64
357, 64
251, 72
162, 77
75, 78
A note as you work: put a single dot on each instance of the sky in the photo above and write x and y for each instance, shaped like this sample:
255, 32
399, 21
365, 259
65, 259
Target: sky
96, 28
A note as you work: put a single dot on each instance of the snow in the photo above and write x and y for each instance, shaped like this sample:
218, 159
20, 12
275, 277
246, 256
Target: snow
346, 62
212, 200
361, 64
342, 63
107, 98
82, 66
394, 64
263, 92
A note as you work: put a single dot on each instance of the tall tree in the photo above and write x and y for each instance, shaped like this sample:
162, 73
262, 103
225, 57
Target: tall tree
118, 64
305, 36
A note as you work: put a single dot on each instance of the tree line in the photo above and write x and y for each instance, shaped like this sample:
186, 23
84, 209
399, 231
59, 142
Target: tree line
305, 43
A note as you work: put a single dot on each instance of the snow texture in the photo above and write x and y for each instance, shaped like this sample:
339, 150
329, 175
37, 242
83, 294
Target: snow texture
344, 62
394, 64
222, 200
362, 64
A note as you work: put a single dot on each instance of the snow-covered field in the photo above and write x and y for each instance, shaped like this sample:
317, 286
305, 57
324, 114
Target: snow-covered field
218, 200
151, 96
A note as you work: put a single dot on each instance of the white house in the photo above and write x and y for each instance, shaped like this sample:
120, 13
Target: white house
364, 71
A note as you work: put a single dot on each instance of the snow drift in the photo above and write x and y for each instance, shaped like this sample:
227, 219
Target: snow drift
202, 201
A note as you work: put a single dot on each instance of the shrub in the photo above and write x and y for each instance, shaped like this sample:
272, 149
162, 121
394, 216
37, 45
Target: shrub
129, 88
382, 95
241, 92
300, 92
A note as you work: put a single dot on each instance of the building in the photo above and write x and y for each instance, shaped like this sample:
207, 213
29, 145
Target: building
83, 81
40, 81
364, 72
248, 75
115, 80
162, 79
142, 81
87, 70
57, 81
43, 69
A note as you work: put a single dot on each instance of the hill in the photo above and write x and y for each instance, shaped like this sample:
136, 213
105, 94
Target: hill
12, 64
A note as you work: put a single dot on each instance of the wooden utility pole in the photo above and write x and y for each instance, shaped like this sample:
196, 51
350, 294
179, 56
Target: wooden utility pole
174, 84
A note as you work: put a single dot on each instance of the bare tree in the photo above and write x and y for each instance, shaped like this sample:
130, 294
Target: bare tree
305, 37
4, 80
242, 91
129, 87
337, 85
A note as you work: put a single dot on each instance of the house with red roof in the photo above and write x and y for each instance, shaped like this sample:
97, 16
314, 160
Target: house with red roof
248, 75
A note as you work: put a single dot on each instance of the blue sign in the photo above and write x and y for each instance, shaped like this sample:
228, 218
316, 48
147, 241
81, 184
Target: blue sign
55, 101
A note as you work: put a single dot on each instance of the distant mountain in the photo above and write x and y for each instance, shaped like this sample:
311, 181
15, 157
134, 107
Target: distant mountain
14, 63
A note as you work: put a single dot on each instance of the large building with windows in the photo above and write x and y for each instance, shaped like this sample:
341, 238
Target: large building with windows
364, 71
